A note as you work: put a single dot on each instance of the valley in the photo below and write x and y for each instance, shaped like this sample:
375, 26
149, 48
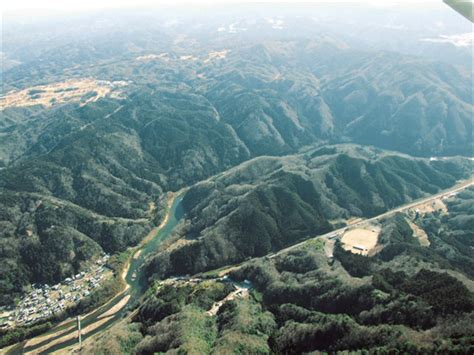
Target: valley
252, 178
65, 334
105, 316
262, 271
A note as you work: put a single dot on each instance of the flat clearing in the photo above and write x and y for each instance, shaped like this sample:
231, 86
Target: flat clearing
76, 90
361, 240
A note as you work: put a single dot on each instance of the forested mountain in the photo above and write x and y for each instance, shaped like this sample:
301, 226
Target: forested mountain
268, 203
276, 93
302, 302
286, 94
107, 166
276, 126
180, 121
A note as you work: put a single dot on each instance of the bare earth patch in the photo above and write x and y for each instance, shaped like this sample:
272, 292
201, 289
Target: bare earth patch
115, 308
420, 234
216, 55
188, 57
361, 240
149, 57
137, 254
77, 90
151, 208
329, 247
240, 292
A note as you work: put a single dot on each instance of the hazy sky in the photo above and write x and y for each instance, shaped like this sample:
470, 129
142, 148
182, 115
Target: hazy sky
8, 5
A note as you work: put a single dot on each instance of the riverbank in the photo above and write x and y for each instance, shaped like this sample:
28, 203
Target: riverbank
108, 299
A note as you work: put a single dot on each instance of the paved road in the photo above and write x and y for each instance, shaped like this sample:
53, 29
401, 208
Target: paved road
459, 187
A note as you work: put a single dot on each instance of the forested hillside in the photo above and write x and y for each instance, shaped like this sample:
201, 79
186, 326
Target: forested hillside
268, 203
301, 301
183, 102
213, 172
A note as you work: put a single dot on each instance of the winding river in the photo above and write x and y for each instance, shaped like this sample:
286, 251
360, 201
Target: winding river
65, 334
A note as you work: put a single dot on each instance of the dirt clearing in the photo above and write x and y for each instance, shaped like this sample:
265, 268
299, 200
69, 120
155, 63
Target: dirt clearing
216, 55
420, 234
240, 292
77, 90
361, 240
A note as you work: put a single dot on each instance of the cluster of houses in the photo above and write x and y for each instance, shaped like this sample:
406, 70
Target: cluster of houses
45, 301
